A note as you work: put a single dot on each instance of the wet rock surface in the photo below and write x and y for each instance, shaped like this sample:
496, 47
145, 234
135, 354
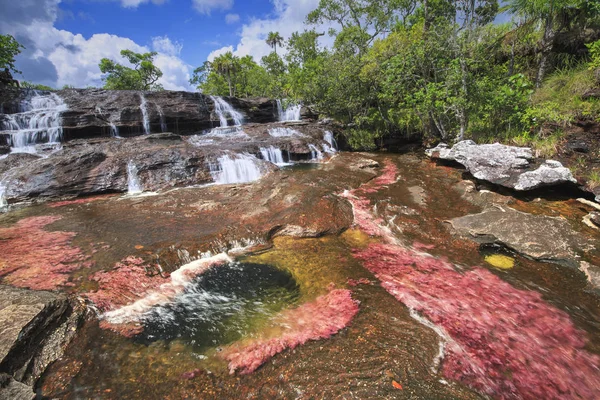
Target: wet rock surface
85, 167
508, 166
36, 328
536, 236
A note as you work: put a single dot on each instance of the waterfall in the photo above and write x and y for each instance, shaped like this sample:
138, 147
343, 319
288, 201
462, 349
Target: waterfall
38, 122
133, 182
330, 139
241, 169
3, 202
284, 132
144, 109
225, 112
315, 154
273, 155
163, 122
114, 130
291, 113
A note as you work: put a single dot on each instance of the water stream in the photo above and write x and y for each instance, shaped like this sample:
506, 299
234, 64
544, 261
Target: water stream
133, 183
291, 113
145, 116
240, 168
226, 112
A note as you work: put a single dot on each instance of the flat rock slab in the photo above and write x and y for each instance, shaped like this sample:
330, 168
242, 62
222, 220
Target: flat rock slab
14, 390
508, 166
536, 236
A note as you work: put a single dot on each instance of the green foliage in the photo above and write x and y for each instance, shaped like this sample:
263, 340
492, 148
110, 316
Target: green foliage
143, 75
9, 49
274, 39
594, 54
36, 86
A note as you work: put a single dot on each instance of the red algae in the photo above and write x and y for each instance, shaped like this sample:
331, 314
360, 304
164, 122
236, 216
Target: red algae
123, 284
319, 319
31, 257
502, 341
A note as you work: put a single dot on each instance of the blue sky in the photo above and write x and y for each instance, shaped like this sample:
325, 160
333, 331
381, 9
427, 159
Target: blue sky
66, 39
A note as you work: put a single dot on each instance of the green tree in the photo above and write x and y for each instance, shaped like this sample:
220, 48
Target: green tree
9, 49
274, 39
143, 76
227, 65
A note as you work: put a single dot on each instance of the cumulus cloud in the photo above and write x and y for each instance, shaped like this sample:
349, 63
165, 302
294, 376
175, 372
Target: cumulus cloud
288, 17
162, 44
206, 6
57, 57
135, 3
232, 18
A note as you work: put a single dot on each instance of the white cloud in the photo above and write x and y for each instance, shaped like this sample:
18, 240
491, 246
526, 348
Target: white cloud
288, 17
135, 3
206, 6
163, 44
57, 57
232, 18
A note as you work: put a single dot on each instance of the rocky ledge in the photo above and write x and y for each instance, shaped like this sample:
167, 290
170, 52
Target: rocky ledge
36, 328
159, 161
509, 166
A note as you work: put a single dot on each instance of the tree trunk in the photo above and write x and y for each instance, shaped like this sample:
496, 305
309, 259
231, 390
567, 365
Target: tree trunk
547, 46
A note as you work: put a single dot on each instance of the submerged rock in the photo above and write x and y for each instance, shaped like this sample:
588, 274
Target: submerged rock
536, 236
507, 166
36, 328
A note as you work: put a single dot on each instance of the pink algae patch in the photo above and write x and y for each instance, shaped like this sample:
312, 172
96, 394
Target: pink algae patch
126, 282
31, 257
505, 342
319, 319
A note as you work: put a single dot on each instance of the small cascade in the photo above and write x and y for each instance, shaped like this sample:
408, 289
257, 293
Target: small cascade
114, 130
225, 112
144, 109
242, 168
331, 140
163, 122
3, 202
291, 113
133, 181
38, 122
284, 132
315, 153
273, 155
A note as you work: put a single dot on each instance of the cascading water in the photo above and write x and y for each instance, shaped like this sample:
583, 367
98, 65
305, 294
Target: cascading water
3, 202
163, 122
38, 122
273, 155
114, 130
291, 113
242, 168
284, 132
133, 181
144, 109
225, 112
315, 153
330, 139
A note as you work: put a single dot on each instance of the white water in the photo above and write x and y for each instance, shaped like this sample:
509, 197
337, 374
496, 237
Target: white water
38, 122
330, 139
3, 202
114, 130
241, 169
284, 132
144, 109
273, 155
133, 182
163, 122
225, 112
291, 113
315, 153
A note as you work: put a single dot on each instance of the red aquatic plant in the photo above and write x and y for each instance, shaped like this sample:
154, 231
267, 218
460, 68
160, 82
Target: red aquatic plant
32, 257
315, 320
505, 342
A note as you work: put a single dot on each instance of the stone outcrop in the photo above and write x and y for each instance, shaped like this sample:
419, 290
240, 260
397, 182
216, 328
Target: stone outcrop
508, 166
94, 166
93, 113
536, 236
36, 328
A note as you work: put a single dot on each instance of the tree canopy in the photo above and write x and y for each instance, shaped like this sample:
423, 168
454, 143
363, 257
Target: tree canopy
9, 50
143, 76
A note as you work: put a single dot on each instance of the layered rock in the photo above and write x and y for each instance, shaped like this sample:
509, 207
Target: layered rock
508, 166
36, 328
84, 167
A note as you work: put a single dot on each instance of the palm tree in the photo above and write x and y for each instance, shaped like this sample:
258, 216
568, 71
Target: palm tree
227, 65
274, 40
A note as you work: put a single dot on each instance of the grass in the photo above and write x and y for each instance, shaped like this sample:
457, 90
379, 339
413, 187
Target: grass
593, 180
